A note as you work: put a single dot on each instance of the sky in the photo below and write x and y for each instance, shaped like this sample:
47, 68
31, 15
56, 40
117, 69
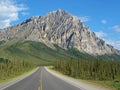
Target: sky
102, 16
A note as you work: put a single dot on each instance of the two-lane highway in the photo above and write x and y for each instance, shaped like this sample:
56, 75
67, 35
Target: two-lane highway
42, 80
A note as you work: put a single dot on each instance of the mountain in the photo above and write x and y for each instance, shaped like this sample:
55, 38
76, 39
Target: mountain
60, 28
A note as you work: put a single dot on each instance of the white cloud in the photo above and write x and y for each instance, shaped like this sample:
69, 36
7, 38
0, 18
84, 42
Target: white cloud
101, 34
116, 28
103, 21
84, 18
105, 36
9, 11
114, 43
25, 13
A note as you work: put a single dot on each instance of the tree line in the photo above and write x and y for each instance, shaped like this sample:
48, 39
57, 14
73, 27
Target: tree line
90, 69
11, 68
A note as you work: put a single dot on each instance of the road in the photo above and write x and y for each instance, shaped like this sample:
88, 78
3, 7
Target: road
42, 80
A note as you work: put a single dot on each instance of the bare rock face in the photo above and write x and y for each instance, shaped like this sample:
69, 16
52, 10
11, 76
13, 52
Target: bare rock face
61, 28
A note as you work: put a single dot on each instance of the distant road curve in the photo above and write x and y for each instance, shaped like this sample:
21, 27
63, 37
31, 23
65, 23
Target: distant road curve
45, 79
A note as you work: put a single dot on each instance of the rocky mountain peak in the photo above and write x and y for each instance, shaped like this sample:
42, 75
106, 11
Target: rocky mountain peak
61, 28
58, 12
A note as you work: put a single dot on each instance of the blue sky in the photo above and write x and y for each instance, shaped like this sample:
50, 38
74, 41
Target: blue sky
102, 16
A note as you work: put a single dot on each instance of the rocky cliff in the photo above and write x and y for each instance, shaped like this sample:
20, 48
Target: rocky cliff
61, 28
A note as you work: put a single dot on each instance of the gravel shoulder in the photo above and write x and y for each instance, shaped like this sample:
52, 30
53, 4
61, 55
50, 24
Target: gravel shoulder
84, 85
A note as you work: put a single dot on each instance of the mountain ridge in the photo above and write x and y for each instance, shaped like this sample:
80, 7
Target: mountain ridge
61, 28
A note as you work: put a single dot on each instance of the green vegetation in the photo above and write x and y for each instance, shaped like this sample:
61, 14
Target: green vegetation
100, 70
39, 54
33, 52
2, 42
86, 69
12, 68
19, 57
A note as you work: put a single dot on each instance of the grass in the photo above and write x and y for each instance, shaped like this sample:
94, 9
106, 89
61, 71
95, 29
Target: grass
111, 85
114, 84
99, 84
5, 79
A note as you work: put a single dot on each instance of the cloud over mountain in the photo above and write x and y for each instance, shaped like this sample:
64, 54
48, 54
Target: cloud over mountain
9, 11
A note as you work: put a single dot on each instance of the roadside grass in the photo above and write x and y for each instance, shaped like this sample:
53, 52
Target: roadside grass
16, 75
114, 84
111, 85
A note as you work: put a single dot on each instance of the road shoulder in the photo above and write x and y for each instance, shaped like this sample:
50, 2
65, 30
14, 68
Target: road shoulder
75, 82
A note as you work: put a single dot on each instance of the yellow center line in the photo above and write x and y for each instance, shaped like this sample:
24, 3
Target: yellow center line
40, 87
41, 81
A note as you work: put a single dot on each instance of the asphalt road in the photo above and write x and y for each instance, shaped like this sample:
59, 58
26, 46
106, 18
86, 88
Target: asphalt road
42, 80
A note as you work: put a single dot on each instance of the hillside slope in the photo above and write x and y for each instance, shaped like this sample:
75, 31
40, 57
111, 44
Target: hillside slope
38, 52
33, 52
